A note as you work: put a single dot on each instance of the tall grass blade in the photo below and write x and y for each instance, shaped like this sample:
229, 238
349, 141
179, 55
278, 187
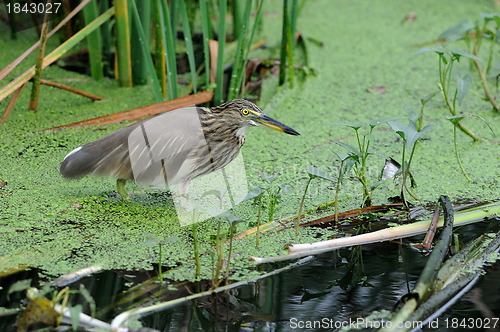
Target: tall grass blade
140, 44
284, 43
94, 42
205, 19
189, 43
220, 58
123, 44
107, 54
169, 49
159, 33
238, 19
240, 53
144, 47
256, 24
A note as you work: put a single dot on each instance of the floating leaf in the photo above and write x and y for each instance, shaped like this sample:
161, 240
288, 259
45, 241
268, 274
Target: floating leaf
316, 173
269, 178
463, 86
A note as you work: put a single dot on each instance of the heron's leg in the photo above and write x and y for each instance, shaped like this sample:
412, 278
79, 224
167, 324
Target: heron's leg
120, 187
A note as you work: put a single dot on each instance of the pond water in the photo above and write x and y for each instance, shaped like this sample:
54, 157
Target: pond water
326, 291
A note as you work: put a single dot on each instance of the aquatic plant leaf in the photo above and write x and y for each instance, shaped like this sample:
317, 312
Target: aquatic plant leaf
438, 49
377, 122
37, 311
352, 125
463, 86
428, 97
256, 192
19, 286
458, 53
75, 315
349, 148
455, 119
313, 173
151, 239
408, 133
269, 178
458, 31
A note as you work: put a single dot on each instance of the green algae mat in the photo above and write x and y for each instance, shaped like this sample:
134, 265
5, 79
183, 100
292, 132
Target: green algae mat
363, 58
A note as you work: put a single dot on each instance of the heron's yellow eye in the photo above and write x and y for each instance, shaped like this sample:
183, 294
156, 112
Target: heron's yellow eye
245, 111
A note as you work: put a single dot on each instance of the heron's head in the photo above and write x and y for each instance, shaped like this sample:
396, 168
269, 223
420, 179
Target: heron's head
244, 114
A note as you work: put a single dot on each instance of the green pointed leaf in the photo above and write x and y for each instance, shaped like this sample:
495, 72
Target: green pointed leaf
352, 125
316, 173
377, 122
463, 86
428, 97
455, 119
256, 192
399, 128
458, 31
269, 178
438, 49
458, 53
75, 315
348, 147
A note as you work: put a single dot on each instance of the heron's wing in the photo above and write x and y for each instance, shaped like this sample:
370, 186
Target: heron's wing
148, 151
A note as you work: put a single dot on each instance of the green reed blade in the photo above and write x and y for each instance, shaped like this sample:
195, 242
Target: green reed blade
94, 42
189, 43
123, 43
220, 58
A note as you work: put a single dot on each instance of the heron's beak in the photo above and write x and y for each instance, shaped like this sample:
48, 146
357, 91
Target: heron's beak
273, 124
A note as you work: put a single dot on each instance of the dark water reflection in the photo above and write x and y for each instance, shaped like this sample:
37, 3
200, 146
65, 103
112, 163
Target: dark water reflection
305, 294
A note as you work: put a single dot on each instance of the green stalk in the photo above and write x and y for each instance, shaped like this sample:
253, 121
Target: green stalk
159, 266
189, 43
39, 63
94, 42
196, 252
123, 44
160, 63
293, 20
258, 223
139, 43
144, 48
258, 16
456, 153
174, 19
107, 54
239, 56
284, 42
230, 252
169, 49
238, 20
205, 19
301, 206
219, 79
290, 43
337, 189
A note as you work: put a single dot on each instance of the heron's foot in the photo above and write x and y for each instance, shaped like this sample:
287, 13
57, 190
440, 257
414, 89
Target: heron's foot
120, 187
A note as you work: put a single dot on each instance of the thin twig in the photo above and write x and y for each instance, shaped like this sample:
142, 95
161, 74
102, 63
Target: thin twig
11, 104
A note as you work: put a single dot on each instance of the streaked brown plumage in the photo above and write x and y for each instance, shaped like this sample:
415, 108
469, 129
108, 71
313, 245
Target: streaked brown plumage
181, 145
